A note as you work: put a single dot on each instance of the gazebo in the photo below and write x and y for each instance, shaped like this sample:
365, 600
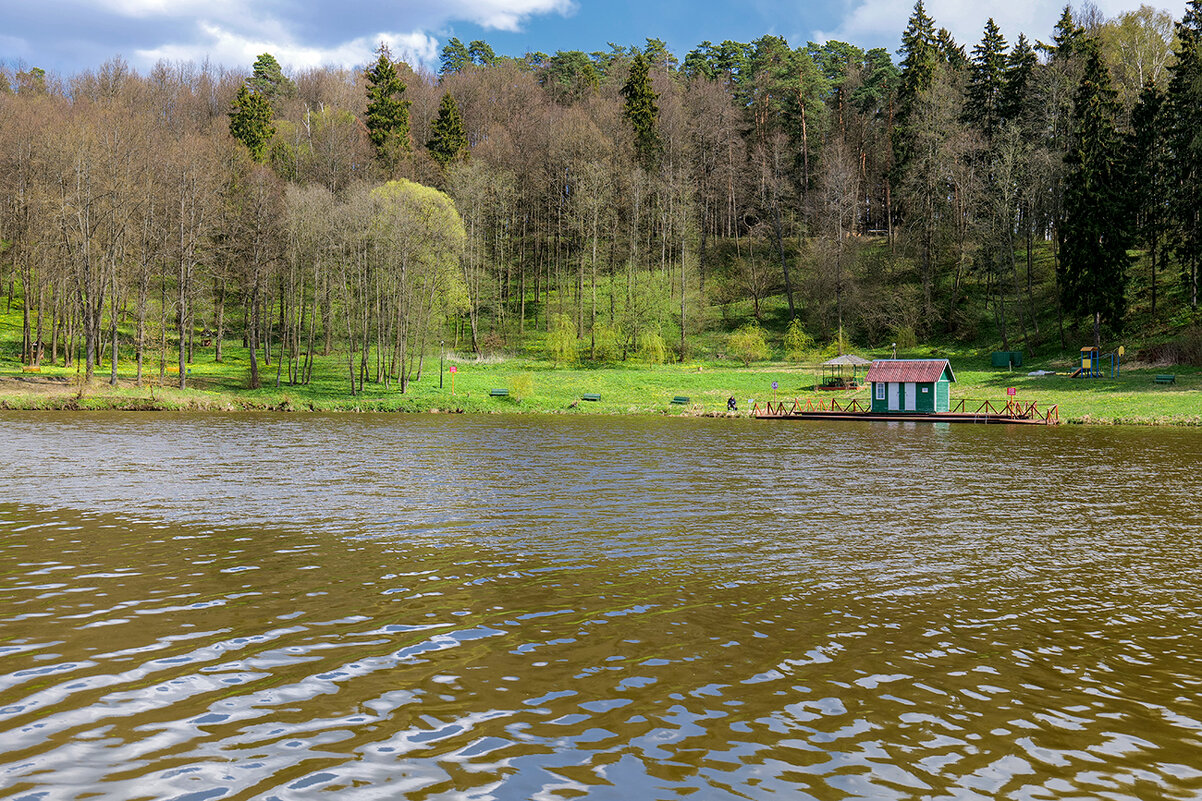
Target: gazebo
843, 372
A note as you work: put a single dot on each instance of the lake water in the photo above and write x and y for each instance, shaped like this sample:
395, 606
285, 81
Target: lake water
248, 606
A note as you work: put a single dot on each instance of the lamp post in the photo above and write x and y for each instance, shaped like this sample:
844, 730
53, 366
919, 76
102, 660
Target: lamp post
442, 352
895, 350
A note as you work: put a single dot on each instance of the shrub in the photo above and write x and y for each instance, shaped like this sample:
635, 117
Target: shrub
798, 344
904, 336
608, 347
521, 386
561, 342
651, 348
748, 344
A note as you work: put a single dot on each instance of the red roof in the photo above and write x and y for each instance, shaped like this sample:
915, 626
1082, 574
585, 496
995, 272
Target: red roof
919, 371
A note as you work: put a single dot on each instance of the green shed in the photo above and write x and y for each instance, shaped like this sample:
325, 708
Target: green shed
916, 386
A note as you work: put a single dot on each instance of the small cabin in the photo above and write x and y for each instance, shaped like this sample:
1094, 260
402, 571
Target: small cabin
918, 386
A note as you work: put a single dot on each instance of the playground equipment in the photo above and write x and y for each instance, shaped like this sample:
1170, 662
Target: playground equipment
1093, 362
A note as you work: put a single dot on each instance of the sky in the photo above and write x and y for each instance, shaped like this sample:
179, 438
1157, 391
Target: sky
67, 36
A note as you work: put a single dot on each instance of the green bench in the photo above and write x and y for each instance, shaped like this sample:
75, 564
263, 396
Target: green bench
1166, 379
499, 393
591, 397
682, 400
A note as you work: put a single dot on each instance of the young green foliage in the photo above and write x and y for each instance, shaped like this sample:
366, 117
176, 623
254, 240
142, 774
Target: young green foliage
748, 344
561, 341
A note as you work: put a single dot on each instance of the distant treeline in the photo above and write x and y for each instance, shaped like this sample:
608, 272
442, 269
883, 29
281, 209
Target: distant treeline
620, 194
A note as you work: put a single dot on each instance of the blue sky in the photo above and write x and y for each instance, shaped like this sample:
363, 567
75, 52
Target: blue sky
65, 36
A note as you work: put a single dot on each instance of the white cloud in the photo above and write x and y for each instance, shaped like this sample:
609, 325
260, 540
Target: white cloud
882, 21
231, 48
235, 32
504, 15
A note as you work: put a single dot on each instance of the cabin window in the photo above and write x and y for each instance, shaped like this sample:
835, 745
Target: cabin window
926, 390
880, 391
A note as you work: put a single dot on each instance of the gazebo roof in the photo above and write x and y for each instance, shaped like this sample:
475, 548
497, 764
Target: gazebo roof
846, 359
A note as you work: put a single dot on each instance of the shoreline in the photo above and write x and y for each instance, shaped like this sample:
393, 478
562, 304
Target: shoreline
102, 398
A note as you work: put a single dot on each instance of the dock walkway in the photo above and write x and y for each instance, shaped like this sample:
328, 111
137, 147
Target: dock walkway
963, 411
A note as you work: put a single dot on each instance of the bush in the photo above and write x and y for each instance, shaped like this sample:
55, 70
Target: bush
608, 343
521, 386
561, 342
905, 338
651, 348
798, 344
748, 344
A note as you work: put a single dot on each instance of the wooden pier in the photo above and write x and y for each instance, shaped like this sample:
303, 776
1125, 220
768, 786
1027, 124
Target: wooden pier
964, 411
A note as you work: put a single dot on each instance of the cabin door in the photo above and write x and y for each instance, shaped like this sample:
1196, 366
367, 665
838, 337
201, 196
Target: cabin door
894, 402
911, 397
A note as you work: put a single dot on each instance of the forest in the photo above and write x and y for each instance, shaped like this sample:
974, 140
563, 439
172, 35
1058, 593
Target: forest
610, 205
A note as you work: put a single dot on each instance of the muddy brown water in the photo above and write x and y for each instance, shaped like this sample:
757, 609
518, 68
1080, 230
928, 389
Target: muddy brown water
207, 607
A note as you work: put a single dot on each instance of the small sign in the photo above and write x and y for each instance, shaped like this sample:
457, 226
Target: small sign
1011, 391
775, 385
454, 369
1122, 351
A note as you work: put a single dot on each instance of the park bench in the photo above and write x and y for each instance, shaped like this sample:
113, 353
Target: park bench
682, 400
498, 393
1166, 379
591, 397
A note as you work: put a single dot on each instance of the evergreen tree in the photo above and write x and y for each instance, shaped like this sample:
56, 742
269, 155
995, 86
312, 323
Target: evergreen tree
1148, 166
641, 112
481, 53
699, 62
454, 57
1020, 66
950, 52
387, 110
268, 79
1069, 36
987, 82
918, 68
448, 138
1183, 114
250, 122
1095, 233
921, 57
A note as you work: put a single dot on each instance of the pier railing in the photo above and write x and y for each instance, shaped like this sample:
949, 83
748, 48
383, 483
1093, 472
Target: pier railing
1012, 409
799, 406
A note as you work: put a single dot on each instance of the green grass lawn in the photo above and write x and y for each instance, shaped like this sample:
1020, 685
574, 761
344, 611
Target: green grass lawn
537, 386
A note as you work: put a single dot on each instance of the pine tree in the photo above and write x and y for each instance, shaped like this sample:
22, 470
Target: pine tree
1069, 36
987, 82
1020, 66
917, 76
250, 122
921, 57
1183, 115
387, 110
481, 53
268, 79
453, 58
641, 112
448, 138
1148, 166
1096, 231
951, 53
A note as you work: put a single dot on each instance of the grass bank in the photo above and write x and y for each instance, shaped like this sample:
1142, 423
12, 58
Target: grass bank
536, 386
